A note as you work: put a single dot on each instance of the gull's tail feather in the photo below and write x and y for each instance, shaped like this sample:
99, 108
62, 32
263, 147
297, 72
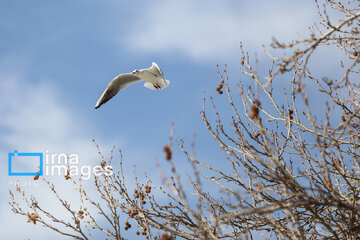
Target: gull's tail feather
161, 86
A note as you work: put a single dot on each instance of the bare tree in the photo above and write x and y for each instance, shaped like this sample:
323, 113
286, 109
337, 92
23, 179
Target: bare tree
293, 169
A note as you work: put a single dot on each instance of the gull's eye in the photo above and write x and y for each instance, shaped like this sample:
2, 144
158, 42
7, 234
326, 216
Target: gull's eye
135, 71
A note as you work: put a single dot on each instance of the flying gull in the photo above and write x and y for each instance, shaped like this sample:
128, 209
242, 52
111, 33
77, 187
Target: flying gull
153, 77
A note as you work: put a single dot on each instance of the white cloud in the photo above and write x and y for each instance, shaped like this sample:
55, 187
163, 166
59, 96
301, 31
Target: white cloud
203, 29
33, 118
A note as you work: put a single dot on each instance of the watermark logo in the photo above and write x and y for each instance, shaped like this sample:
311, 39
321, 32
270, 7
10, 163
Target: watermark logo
25, 164
53, 164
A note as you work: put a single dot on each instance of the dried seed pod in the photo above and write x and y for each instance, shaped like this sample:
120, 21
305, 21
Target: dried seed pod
219, 87
67, 176
166, 236
290, 113
32, 217
257, 102
103, 163
254, 111
167, 151
134, 213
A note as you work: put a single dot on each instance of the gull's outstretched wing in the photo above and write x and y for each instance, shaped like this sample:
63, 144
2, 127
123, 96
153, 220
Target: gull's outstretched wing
118, 83
156, 70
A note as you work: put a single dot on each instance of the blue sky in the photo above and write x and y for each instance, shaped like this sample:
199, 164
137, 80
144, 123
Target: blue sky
56, 58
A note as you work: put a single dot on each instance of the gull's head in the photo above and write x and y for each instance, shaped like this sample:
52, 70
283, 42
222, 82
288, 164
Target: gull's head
136, 72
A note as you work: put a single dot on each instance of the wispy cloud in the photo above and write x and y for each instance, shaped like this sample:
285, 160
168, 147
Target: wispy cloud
215, 28
33, 118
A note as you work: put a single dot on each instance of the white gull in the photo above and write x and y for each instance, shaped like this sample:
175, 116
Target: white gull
153, 77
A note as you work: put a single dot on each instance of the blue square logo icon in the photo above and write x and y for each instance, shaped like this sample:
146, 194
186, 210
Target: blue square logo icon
25, 164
